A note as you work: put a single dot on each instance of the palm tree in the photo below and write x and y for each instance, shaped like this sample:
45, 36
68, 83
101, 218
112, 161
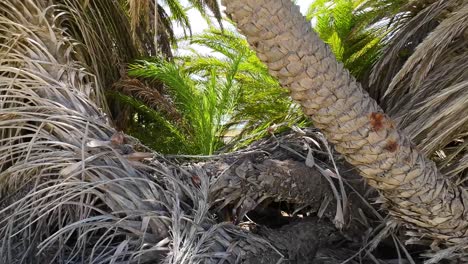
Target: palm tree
234, 59
73, 190
203, 103
349, 21
413, 188
153, 37
134, 18
162, 29
234, 79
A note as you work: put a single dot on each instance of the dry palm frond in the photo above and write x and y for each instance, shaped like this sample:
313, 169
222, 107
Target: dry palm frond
72, 190
165, 32
150, 97
409, 30
461, 165
159, 18
434, 46
428, 95
155, 29
139, 10
105, 43
45, 95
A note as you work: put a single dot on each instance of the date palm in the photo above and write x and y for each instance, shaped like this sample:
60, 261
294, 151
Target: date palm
233, 57
422, 110
203, 103
413, 188
230, 83
73, 190
169, 14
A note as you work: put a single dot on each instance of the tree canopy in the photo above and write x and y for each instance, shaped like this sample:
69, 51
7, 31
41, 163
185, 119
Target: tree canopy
116, 149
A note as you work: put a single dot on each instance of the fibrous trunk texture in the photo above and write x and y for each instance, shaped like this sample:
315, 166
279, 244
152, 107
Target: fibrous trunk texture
413, 188
279, 170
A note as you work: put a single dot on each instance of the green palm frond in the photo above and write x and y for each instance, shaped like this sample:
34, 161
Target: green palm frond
181, 86
171, 13
261, 103
221, 92
156, 129
226, 42
204, 100
201, 64
212, 5
349, 28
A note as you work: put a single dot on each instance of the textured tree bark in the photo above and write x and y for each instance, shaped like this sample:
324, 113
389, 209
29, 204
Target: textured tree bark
275, 170
414, 190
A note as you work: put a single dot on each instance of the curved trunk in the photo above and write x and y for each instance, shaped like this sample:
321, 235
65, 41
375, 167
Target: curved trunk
410, 183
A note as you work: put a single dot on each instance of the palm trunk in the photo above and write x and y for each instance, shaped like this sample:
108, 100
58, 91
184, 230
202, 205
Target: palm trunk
156, 24
414, 190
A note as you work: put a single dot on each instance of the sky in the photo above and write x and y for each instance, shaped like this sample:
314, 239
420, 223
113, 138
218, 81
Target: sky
198, 23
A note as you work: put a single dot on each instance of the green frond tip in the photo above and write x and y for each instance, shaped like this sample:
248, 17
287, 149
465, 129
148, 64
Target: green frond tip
351, 29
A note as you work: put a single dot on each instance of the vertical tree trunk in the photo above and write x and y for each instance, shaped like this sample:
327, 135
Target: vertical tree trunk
156, 18
413, 188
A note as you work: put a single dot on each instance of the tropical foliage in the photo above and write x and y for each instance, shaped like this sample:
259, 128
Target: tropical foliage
231, 55
204, 103
349, 27
136, 105
73, 189
160, 32
217, 97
